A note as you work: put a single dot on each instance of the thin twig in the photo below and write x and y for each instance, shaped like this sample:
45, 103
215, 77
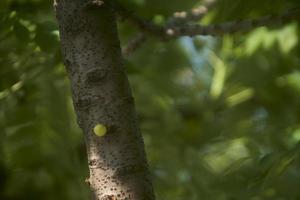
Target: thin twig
134, 44
144, 25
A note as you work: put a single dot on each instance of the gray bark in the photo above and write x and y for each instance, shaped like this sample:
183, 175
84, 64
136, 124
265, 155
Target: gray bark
101, 95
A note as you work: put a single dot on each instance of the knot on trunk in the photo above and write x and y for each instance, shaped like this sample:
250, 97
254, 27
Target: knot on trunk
95, 75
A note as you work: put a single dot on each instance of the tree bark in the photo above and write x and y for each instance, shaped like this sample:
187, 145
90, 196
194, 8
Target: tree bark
101, 95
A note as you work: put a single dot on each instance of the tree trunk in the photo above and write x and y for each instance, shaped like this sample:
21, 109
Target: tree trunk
101, 95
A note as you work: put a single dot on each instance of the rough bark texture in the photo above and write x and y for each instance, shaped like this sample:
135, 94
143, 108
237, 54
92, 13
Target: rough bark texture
101, 95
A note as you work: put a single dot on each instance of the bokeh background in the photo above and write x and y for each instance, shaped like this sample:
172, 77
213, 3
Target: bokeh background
220, 115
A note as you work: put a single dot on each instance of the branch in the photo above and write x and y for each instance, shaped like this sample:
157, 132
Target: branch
174, 30
234, 26
195, 14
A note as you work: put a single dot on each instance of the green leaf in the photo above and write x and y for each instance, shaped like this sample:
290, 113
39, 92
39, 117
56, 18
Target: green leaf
21, 32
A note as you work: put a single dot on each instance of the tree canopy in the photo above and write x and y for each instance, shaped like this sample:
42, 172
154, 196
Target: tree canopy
220, 115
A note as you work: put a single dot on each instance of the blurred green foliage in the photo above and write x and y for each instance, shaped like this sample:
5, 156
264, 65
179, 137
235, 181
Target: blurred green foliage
220, 116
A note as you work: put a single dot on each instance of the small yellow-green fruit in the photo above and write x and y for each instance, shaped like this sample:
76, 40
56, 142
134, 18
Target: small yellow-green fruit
100, 130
